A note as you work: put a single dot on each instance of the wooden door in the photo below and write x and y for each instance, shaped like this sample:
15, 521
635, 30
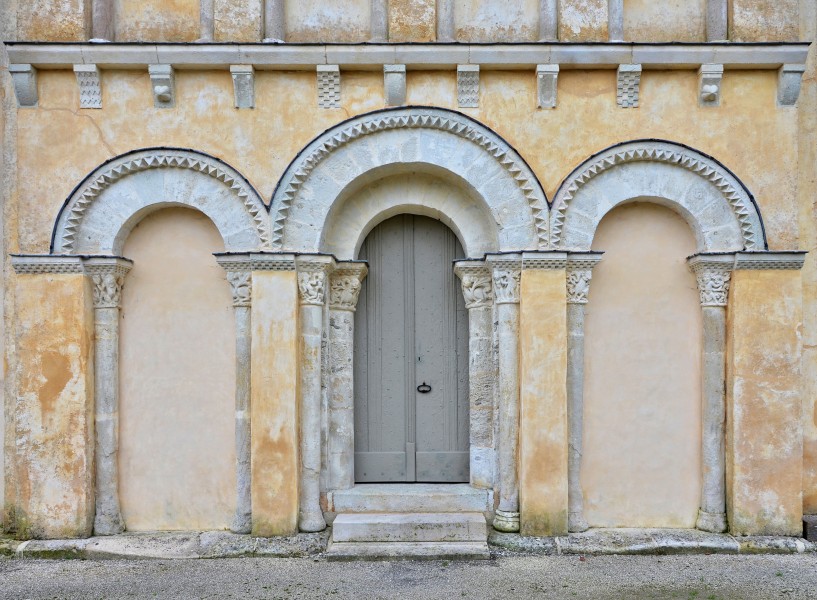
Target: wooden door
411, 329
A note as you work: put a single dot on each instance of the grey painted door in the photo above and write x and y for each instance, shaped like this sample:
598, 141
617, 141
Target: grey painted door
411, 328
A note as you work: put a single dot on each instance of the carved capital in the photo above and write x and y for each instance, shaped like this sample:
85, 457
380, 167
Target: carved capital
506, 284
477, 290
713, 272
312, 288
578, 285
344, 285
108, 277
241, 287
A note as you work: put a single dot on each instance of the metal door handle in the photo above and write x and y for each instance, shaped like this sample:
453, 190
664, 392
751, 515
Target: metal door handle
424, 388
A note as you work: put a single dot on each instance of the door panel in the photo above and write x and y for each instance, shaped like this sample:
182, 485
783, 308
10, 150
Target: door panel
411, 328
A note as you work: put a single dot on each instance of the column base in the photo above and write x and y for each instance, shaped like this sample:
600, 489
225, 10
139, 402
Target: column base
711, 522
576, 523
108, 524
241, 524
312, 523
506, 521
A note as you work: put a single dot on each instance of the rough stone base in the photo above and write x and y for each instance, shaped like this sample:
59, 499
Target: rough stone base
810, 528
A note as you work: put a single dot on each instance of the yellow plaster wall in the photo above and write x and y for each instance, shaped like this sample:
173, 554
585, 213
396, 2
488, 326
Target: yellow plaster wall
53, 412
53, 20
583, 20
764, 449
177, 378
665, 20
641, 465
157, 20
764, 20
275, 456
238, 21
543, 404
68, 142
412, 20
322, 20
492, 21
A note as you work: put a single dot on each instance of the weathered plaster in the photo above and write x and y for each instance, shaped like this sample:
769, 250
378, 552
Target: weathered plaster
238, 22
582, 20
53, 408
53, 20
764, 448
764, 20
412, 20
157, 20
491, 21
678, 20
642, 412
319, 20
275, 374
543, 419
177, 371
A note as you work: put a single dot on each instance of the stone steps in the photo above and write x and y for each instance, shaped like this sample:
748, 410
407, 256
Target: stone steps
409, 535
411, 498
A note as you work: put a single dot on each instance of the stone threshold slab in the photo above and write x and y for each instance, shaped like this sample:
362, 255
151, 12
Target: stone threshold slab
649, 541
289, 56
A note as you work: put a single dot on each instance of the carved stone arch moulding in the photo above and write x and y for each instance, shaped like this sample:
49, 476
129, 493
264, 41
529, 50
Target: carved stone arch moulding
101, 211
721, 211
392, 141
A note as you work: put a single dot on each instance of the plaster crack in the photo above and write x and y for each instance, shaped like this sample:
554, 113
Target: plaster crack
76, 113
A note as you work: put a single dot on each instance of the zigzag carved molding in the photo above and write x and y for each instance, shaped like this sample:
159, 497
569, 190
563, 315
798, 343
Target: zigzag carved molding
667, 153
145, 160
417, 120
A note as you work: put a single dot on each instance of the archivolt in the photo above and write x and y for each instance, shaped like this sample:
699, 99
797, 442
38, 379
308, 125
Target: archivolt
102, 210
401, 140
718, 206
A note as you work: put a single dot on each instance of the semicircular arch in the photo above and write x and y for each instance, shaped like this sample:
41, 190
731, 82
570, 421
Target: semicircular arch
720, 209
102, 210
404, 140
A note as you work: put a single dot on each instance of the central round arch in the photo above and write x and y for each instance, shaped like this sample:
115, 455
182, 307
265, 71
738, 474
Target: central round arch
500, 199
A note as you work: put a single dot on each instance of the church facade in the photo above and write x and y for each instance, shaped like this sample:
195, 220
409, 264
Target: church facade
272, 265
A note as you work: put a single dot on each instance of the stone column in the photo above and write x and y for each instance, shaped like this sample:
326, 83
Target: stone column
579, 273
103, 20
239, 276
274, 21
207, 20
379, 21
478, 294
107, 277
312, 294
507, 272
445, 20
344, 289
548, 20
713, 273
717, 20
615, 20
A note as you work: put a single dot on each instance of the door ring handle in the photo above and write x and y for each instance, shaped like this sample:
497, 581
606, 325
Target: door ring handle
424, 388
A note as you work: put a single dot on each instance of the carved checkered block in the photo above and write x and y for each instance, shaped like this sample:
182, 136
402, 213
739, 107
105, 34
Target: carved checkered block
628, 84
90, 87
328, 86
468, 86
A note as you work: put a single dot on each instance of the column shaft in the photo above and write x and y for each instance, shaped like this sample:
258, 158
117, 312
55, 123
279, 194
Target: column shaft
274, 20
615, 20
481, 378
103, 20
445, 20
548, 20
717, 20
575, 416
712, 516
311, 516
507, 518
207, 20
341, 399
108, 519
242, 522
379, 21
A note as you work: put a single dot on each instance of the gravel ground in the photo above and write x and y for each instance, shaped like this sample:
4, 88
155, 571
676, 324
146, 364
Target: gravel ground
564, 577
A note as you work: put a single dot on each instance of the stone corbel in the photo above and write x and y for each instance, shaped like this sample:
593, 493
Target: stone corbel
394, 79
243, 85
507, 272
789, 80
468, 86
312, 287
24, 78
710, 78
344, 290
90, 86
163, 84
628, 84
547, 77
328, 86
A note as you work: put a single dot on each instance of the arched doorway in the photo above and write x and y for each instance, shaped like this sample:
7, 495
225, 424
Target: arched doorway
411, 357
